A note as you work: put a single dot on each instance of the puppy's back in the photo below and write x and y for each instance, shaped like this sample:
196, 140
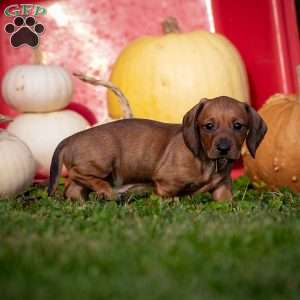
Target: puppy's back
134, 146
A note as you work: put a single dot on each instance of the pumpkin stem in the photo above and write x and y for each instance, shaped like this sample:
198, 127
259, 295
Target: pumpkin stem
127, 112
170, 25
4, 119
38, 56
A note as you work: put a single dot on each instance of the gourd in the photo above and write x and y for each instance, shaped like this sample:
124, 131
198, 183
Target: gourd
276, 163
37, 88
43, 131
17, 165
164, 76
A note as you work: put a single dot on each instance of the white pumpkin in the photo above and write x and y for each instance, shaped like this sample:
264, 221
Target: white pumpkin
17, 165
37, 88
43, 131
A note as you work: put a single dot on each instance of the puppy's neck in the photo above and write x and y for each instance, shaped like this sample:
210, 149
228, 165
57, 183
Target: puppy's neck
217, 166
221, 164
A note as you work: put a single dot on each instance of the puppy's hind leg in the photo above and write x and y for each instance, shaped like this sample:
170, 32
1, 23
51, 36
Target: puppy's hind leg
76, 192
101, 187
86, 178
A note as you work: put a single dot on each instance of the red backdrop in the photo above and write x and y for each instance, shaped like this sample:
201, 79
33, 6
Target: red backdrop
88, 35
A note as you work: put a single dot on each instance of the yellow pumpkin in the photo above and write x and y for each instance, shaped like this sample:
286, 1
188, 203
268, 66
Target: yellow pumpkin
277, 159
164, 76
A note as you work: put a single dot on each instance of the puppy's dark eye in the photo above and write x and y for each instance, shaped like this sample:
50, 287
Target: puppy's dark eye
237, 125
209, 126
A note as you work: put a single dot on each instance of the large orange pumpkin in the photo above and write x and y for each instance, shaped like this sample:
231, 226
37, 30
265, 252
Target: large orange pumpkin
164, 76
277, 161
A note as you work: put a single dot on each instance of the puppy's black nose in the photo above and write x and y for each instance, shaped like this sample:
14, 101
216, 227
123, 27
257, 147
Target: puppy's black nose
223, 146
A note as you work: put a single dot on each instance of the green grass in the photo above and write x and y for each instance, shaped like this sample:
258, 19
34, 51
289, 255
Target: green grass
151, 248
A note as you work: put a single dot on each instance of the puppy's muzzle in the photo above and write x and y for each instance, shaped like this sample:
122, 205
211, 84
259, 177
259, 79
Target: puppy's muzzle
223, 146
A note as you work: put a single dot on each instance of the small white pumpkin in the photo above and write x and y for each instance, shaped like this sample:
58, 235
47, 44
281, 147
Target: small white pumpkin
43, 131
17, 165
37, 88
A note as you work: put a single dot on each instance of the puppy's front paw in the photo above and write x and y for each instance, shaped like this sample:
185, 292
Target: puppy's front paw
222, 193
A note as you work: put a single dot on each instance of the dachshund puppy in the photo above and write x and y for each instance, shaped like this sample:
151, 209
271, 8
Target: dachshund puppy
177, 159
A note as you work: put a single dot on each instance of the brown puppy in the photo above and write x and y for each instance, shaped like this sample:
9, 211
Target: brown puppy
195, 156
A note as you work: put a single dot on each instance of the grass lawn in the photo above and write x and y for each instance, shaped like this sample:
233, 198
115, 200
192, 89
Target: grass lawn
151, 248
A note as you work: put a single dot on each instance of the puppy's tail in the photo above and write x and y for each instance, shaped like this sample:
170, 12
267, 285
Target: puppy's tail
55, 168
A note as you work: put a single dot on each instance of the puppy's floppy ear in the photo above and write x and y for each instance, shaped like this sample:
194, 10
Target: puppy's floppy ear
257, 130
191, 131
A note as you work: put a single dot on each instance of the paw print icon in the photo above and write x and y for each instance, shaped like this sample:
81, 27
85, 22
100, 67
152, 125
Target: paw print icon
24, 31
